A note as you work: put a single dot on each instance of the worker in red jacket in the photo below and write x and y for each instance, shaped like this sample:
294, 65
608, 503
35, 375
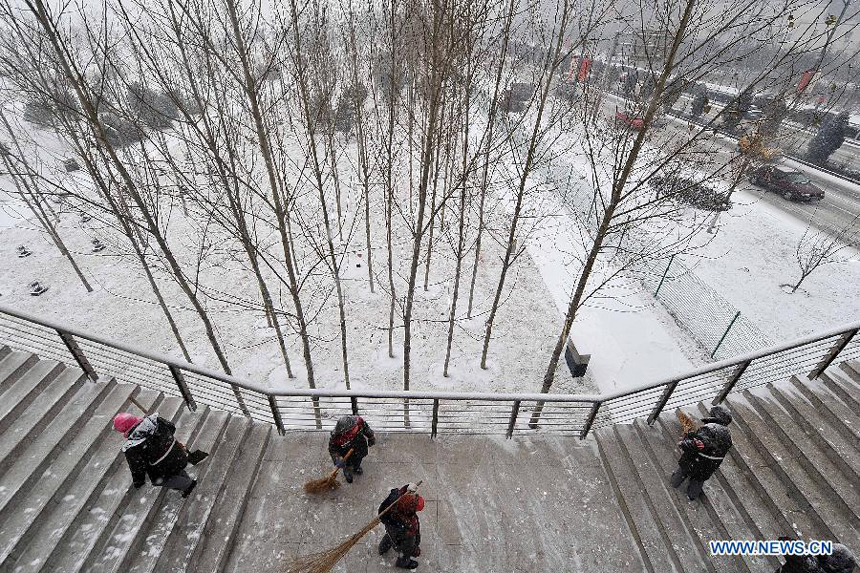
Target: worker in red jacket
402, 529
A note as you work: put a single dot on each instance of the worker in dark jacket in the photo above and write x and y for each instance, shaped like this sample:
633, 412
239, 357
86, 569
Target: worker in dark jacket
151, 449
703, 451
840, 561
402, 529
350, 433
798, 563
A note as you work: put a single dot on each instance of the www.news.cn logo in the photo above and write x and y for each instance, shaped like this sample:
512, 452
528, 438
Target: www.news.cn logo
770, 547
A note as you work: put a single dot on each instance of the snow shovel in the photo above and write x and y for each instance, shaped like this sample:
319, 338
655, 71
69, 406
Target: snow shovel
328, 482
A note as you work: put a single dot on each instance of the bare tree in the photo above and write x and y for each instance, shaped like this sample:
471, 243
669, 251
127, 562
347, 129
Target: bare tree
818, 248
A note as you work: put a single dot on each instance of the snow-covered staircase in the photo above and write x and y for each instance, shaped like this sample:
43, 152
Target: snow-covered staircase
66, 501
794, 470
493, 505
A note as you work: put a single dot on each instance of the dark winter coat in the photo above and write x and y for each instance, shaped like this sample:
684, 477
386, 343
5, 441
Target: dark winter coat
799, 564
840, 561
151, 449
350, 433
700, 464
402, 526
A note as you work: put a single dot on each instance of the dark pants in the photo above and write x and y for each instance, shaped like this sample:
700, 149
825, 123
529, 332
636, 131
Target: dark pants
353, 463
180, 481
405, 545
694, 488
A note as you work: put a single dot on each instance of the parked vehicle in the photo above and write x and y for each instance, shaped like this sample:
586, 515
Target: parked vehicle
630, 121
790, 183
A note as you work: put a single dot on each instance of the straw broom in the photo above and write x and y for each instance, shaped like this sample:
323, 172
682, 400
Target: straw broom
687, 423
327, 483
325, 561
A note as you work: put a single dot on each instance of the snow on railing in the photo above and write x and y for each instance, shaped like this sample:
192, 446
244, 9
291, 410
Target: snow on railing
425, 412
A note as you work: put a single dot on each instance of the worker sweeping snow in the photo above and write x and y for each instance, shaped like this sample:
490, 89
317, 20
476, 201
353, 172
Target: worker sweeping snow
152, 449
350, 433
402, 529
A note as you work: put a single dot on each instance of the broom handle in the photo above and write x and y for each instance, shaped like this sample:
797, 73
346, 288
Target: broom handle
346, 457
136, 403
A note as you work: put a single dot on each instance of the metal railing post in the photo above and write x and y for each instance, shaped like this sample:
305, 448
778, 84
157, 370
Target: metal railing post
276, 414
514, 412
670, 387
832, 354
435, 423
183, 387
588, 422
663, 278
726, 333
736, 375
354, 401
78, 355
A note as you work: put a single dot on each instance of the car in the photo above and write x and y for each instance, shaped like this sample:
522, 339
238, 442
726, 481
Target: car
790, 183
630, 121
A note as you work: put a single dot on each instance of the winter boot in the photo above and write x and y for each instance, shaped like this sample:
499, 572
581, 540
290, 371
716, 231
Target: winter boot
197, 456
347, 474
384, 545
189, 489
694, 489
404, 562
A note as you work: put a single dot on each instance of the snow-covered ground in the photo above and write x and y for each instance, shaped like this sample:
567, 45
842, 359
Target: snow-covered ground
753, 255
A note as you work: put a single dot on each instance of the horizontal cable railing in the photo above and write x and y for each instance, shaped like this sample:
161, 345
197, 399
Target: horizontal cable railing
432, 413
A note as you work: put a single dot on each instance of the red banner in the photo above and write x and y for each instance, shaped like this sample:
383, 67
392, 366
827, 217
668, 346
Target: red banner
584, 64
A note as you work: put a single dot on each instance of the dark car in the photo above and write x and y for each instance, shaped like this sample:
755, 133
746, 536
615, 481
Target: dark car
790, 183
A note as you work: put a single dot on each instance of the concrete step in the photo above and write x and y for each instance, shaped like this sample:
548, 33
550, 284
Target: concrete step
59, 519
42, 451
20, 389
186, 538
842, 418
58, 384
711, 517
52, 485
851, 369
653, 541
735, 515
221, 436
820, 429
745, 470
815, 455
818, 505
130, 534
211, 553
839, 383
825, 478
117, 501
12, 365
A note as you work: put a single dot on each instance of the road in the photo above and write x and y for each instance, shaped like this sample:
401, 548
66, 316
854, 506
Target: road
793, 138
838, 209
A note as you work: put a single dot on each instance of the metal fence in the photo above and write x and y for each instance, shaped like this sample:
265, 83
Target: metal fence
432, 413
712, 321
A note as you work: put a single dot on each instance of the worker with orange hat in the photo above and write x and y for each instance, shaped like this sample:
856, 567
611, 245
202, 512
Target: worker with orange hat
402, 530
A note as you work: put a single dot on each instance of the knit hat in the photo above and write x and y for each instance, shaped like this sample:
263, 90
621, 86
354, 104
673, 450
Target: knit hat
124, 423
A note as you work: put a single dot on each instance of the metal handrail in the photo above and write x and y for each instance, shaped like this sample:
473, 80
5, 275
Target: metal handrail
733, 368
